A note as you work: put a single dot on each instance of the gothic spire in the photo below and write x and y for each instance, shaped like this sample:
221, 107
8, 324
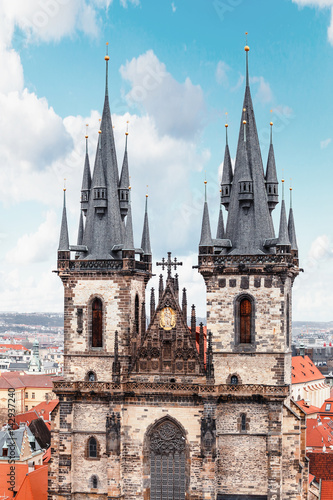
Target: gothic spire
86, 180
184, 305
206, 235
220, 226
249, 222
145, 242
152, 304
283, 240
81, 230
129, 239
271, 177
291, 226
227, 174
160, 287
124, 182
64, 239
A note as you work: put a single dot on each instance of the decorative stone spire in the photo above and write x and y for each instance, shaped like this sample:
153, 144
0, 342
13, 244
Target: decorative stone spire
116, 363
64, 239
152, 304
202, 344
176, 285
81, 230
206, 235
209, 367
98, 182
124, 183
143, 319
145, 242
291, 228
86, 181
227, 174
220, 226
271, 177
160, 287
193, 322
283, 243
249, 222
184, 305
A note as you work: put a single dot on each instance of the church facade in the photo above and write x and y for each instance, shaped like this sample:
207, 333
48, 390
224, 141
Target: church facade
168, 411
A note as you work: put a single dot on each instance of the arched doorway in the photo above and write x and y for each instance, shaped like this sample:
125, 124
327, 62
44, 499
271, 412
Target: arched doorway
167, 457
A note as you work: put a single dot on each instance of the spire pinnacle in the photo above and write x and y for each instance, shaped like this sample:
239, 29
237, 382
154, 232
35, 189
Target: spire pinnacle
291, 197
86, 137
205, 182
107, 58
226, 128
206, 235
145, 241
64, 239
247, 49
244, 123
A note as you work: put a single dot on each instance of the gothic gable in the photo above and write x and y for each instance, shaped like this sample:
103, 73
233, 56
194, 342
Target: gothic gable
168, 347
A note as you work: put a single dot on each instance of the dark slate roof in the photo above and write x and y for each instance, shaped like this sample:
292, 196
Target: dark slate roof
248, 229
102, 232
220, 226
271, 176
206, 235
16, 436
41, 432
86, 180
292, 231
145, 241
81, 230
64, 240
283, 238
129, 239
124, 177
227, 174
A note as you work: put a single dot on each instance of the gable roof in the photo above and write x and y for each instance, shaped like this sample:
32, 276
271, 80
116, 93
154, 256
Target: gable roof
34, 486
326, 490
308, 409
319, 433
304, 370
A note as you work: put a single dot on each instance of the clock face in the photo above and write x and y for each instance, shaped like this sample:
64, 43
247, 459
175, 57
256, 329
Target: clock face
167, 318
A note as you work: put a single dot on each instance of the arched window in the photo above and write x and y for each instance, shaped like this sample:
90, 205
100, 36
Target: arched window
245, 321
243, 422
92, 448
97, 323
167, 462
234, 380
94, 482
136, 315
91, 377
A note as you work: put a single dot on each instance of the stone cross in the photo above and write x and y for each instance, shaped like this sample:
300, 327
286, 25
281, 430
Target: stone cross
169, 264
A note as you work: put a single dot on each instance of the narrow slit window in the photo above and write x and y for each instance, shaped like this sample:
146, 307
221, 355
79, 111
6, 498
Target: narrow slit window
97, 323
245, 321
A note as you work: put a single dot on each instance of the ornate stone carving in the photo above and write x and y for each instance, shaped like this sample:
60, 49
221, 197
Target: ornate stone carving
167, 439
113, 434
208, 436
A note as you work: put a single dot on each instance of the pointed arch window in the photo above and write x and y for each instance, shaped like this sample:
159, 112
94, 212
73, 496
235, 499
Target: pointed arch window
244, 320
167, 462
92, 448
97, 323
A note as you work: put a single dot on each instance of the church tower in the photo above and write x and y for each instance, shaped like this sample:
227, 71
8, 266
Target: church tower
249, 274
168, 411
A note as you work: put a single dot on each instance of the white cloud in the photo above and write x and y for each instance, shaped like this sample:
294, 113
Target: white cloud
264, 93
174, 8
325, 143
321, 4
38, 246
177, 108
221, 73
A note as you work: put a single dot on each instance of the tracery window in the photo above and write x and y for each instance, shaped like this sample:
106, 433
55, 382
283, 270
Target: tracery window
167, 462
97, 323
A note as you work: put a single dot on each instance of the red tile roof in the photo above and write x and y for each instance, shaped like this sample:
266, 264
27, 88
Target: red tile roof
327, 490
329, 410
311, 478
21, 379
43, 410
303, 370
308, 409
321, 465
319, 432
21, 471
16, 347
34, 486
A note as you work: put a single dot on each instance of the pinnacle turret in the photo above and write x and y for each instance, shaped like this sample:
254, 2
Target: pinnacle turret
129, 240
64, 239
291, 229
86, 181
220, 226
271, 177
145, 242
124, 184
227, 174
206, 235
283, 243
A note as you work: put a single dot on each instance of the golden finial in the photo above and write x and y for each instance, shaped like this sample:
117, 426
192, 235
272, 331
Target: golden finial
126, 133
271, 123
64, 184
244, 122
244, 109
246, 48
226, 119
107, 52
147, 192
99, 131
87, 125
130, 187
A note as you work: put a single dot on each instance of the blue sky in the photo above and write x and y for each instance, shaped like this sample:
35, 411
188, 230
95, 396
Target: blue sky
176, 68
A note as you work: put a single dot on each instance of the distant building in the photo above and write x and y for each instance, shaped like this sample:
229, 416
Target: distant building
308, 383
